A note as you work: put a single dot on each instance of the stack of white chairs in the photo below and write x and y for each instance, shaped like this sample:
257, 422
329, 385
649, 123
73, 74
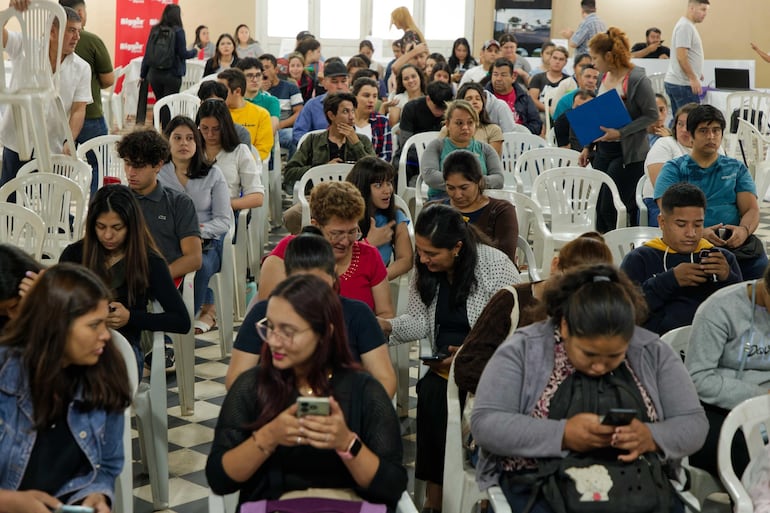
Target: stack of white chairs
108, 161
112, 102
514, 145
22, 228
63, 165
178, 104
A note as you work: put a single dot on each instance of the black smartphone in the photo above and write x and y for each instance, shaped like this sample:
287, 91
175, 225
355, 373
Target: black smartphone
704, 253
433, 357
619, 417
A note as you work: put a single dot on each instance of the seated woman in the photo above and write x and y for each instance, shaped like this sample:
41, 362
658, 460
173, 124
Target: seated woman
14, 266
495, 218
461, 123
63, 390
222, 146
665, 149
410, 85
727, 360
259, 436
455, 276
188, 171
486, 131
310, 253
336, 208
224, 57
118, 247
552, 371
383, 225
368, 122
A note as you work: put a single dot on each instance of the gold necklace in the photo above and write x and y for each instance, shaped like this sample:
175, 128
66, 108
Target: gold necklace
307, 390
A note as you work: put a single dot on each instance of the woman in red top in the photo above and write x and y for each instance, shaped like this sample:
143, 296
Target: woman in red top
336, 208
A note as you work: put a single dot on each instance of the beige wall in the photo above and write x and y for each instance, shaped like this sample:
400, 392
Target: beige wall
726, 31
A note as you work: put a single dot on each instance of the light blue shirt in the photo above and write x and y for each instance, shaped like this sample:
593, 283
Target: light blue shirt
386, 250
310, 118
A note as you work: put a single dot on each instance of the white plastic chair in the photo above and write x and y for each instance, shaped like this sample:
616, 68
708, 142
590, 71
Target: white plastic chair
678, 339
419, 142
184, 351
22, 228
658, 84
762, 179
622, 240
178, 104
536, 160
54, 198
751, 145
532, 227
549, 103
514, 145
124, 484
572, 194
229, 503
750, 106
307, 134
108, 162
273, 187
752, 417
643, 211
66, 166
34, 85
112, 102
519, 129
222, 283
524, 251
193, 75
316, 175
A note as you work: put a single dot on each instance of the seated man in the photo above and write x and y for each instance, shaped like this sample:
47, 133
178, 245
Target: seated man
253, 71
313, 117
254, 118
211, 89
503, 85
565, 136
678, 271
340, 143
652, 47
587, 78
732, 211
288, 96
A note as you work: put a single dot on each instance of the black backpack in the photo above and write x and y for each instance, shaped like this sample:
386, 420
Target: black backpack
160, 53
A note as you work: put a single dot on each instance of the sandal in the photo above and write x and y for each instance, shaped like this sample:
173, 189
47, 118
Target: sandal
205, 323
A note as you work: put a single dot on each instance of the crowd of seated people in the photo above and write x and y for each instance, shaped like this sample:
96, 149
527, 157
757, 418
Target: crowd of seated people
536, 358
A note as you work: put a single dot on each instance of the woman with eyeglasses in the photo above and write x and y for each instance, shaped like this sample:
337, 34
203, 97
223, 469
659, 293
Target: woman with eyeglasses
234, 159
456, 274
336, 208
310, 253
265, 448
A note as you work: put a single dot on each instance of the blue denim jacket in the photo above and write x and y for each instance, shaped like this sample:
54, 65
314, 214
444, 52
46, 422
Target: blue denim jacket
98, 434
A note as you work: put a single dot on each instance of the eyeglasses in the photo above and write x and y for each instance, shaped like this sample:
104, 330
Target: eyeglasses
265, 330
352, 235
714, 130
253, 76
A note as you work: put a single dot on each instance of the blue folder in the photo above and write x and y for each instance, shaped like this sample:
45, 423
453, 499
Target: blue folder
606, 110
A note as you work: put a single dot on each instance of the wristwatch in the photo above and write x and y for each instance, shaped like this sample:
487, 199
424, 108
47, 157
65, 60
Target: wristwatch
353, 449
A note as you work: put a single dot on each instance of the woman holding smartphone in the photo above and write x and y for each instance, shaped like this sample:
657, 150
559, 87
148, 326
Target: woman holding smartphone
264, 449
63, 390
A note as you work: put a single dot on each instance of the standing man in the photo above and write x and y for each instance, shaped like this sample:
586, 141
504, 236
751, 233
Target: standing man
652, 48
312, 116
685, 71
92, 50
504, 87
74, 89
289, 97
588, 28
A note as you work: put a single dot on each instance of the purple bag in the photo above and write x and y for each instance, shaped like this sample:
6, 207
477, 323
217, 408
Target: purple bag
312, 505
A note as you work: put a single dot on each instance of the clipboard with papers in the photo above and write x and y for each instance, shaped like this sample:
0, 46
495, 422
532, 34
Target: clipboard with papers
606, 110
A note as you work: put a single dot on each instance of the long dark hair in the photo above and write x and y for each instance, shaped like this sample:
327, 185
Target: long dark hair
310, 250
216, 108
483, 116
14, 263
215, 58
39, 336
319, 306
171, 17
595, 301
368, 171
249, 41
199, 166
400, 82
138, 244
454, 62
198, 42
444, 227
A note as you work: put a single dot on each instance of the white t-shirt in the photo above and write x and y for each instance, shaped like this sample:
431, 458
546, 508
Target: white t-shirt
664, 149
241, 171
74, 86
475, 74
366, 130
685, 36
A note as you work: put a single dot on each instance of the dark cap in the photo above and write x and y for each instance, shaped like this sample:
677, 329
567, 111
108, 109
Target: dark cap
491, 42
335, 69
303, 34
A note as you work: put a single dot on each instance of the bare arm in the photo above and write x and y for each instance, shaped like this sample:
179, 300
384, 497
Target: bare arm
407, 57
77, 117
534, 93
383, 305
289, 122
749, 209
681, 57
106, 79
377, 363
764, 55
654, 171
272, 273
191, 259
252, 200
402, 253
240, 361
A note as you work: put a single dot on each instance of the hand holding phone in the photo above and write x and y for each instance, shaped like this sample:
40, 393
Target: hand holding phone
704, 253
65, 508
619, 417
434, 357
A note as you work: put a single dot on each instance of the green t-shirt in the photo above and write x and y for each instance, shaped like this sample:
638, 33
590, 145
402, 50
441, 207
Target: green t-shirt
268, 102
92, 50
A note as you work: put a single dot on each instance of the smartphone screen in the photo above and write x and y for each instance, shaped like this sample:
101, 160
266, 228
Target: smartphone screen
619, 417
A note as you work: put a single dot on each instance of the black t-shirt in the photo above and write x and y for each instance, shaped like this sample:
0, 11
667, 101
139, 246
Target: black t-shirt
417, 118
661, 50
452, 324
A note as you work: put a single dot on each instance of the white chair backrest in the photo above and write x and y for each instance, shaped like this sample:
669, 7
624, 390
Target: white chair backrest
751, 146
533, 162
64, 165
519, 129
193, 74
54, 198
22, 228
572, 194
752, 416
307, 134
514, 145
622, 240
525, 256
178, 104
33, 72
678, 339
751, 106
657, 80
316, 175
643, 212
762, 179
419, 141
108, 161
401, 204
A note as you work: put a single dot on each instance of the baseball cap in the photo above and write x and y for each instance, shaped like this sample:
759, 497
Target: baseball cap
335, 69
491, 42
303, 34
